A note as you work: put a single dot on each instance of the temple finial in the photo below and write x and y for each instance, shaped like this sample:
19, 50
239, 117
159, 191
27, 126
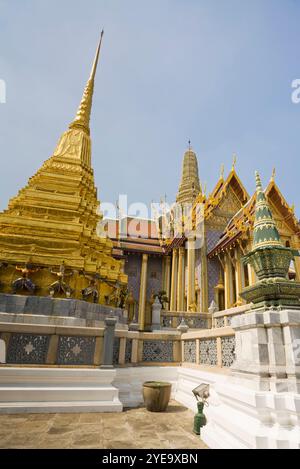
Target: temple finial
189, 142
273, 175
222, 171
258, 182
234, 160
82, 119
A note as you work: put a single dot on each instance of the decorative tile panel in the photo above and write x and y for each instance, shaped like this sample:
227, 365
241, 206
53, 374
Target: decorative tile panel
228, 350
208, 352
27, 348
73, 350
220, 322
128, 350
116, 351
198, 323
190, 351
158, 351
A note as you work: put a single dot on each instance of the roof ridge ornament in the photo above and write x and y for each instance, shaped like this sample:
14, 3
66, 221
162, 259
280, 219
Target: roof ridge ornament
234, 161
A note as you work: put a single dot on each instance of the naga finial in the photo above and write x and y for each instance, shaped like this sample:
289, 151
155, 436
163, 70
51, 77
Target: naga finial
222, 171
273, 175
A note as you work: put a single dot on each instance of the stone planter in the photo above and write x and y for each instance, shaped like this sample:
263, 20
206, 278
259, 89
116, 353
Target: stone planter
156, 395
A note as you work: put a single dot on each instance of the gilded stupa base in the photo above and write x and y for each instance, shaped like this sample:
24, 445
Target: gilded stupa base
45, 310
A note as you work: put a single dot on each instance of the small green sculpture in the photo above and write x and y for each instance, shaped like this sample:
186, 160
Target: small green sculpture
201, 394
199, 419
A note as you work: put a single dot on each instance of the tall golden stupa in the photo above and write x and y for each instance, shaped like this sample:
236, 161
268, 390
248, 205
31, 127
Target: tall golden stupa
51, 224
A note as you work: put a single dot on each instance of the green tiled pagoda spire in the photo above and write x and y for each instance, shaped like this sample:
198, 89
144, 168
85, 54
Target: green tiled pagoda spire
270, 261
265, 230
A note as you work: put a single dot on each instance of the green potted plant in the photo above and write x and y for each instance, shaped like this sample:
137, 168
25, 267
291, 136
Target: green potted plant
156, 395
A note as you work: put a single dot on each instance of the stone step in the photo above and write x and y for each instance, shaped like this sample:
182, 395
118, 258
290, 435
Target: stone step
49, 393
60, 407
58, 390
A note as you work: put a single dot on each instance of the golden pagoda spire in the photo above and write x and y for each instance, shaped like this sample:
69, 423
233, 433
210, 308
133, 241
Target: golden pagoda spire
189, 186
82, 119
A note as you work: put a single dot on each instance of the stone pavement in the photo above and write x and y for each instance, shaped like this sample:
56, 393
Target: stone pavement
134, 428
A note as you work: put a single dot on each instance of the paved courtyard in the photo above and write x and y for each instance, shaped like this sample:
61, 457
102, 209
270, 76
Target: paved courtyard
134, 428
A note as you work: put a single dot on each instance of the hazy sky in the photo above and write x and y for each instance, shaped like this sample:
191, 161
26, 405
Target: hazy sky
218, 72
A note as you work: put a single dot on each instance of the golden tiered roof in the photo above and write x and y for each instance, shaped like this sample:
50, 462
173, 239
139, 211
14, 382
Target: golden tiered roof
54, 217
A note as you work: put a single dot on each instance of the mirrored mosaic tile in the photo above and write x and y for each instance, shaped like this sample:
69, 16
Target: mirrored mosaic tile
190, 351
27, 348
116, 350
228, 350
208, 352
73, 350
158, 351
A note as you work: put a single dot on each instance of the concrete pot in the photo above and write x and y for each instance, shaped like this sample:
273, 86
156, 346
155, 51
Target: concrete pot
156, 395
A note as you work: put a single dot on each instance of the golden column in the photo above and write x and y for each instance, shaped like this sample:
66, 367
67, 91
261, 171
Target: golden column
143, 292
180, 280
239, 275
228, 282
204, 279
174, 280
167, 276
191, 294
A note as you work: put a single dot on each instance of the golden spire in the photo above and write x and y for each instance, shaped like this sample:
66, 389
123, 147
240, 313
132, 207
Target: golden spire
234, 160
273, 175
189, 186
82, 119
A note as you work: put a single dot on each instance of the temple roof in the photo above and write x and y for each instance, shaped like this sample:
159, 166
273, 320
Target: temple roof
219, 191
243, 220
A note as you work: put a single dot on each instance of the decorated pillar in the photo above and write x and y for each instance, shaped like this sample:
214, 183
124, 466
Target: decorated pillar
167, 276
228, 282
180, 280
143, 291
191, 294
174, 280
239, 282
204, 278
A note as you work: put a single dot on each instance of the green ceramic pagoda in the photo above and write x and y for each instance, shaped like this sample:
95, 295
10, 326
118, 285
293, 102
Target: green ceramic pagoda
270, 260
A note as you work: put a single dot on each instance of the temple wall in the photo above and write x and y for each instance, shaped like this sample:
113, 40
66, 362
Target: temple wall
133, 270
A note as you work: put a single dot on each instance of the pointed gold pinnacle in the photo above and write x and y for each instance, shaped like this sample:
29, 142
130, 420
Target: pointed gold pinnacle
82, 119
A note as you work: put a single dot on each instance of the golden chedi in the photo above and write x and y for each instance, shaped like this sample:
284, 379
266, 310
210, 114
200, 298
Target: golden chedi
52, 221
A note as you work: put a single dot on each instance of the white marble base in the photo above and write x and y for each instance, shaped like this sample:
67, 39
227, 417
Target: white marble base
239, 417
50, 390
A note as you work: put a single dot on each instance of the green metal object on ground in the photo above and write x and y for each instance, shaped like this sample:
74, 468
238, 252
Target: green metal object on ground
199, 419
